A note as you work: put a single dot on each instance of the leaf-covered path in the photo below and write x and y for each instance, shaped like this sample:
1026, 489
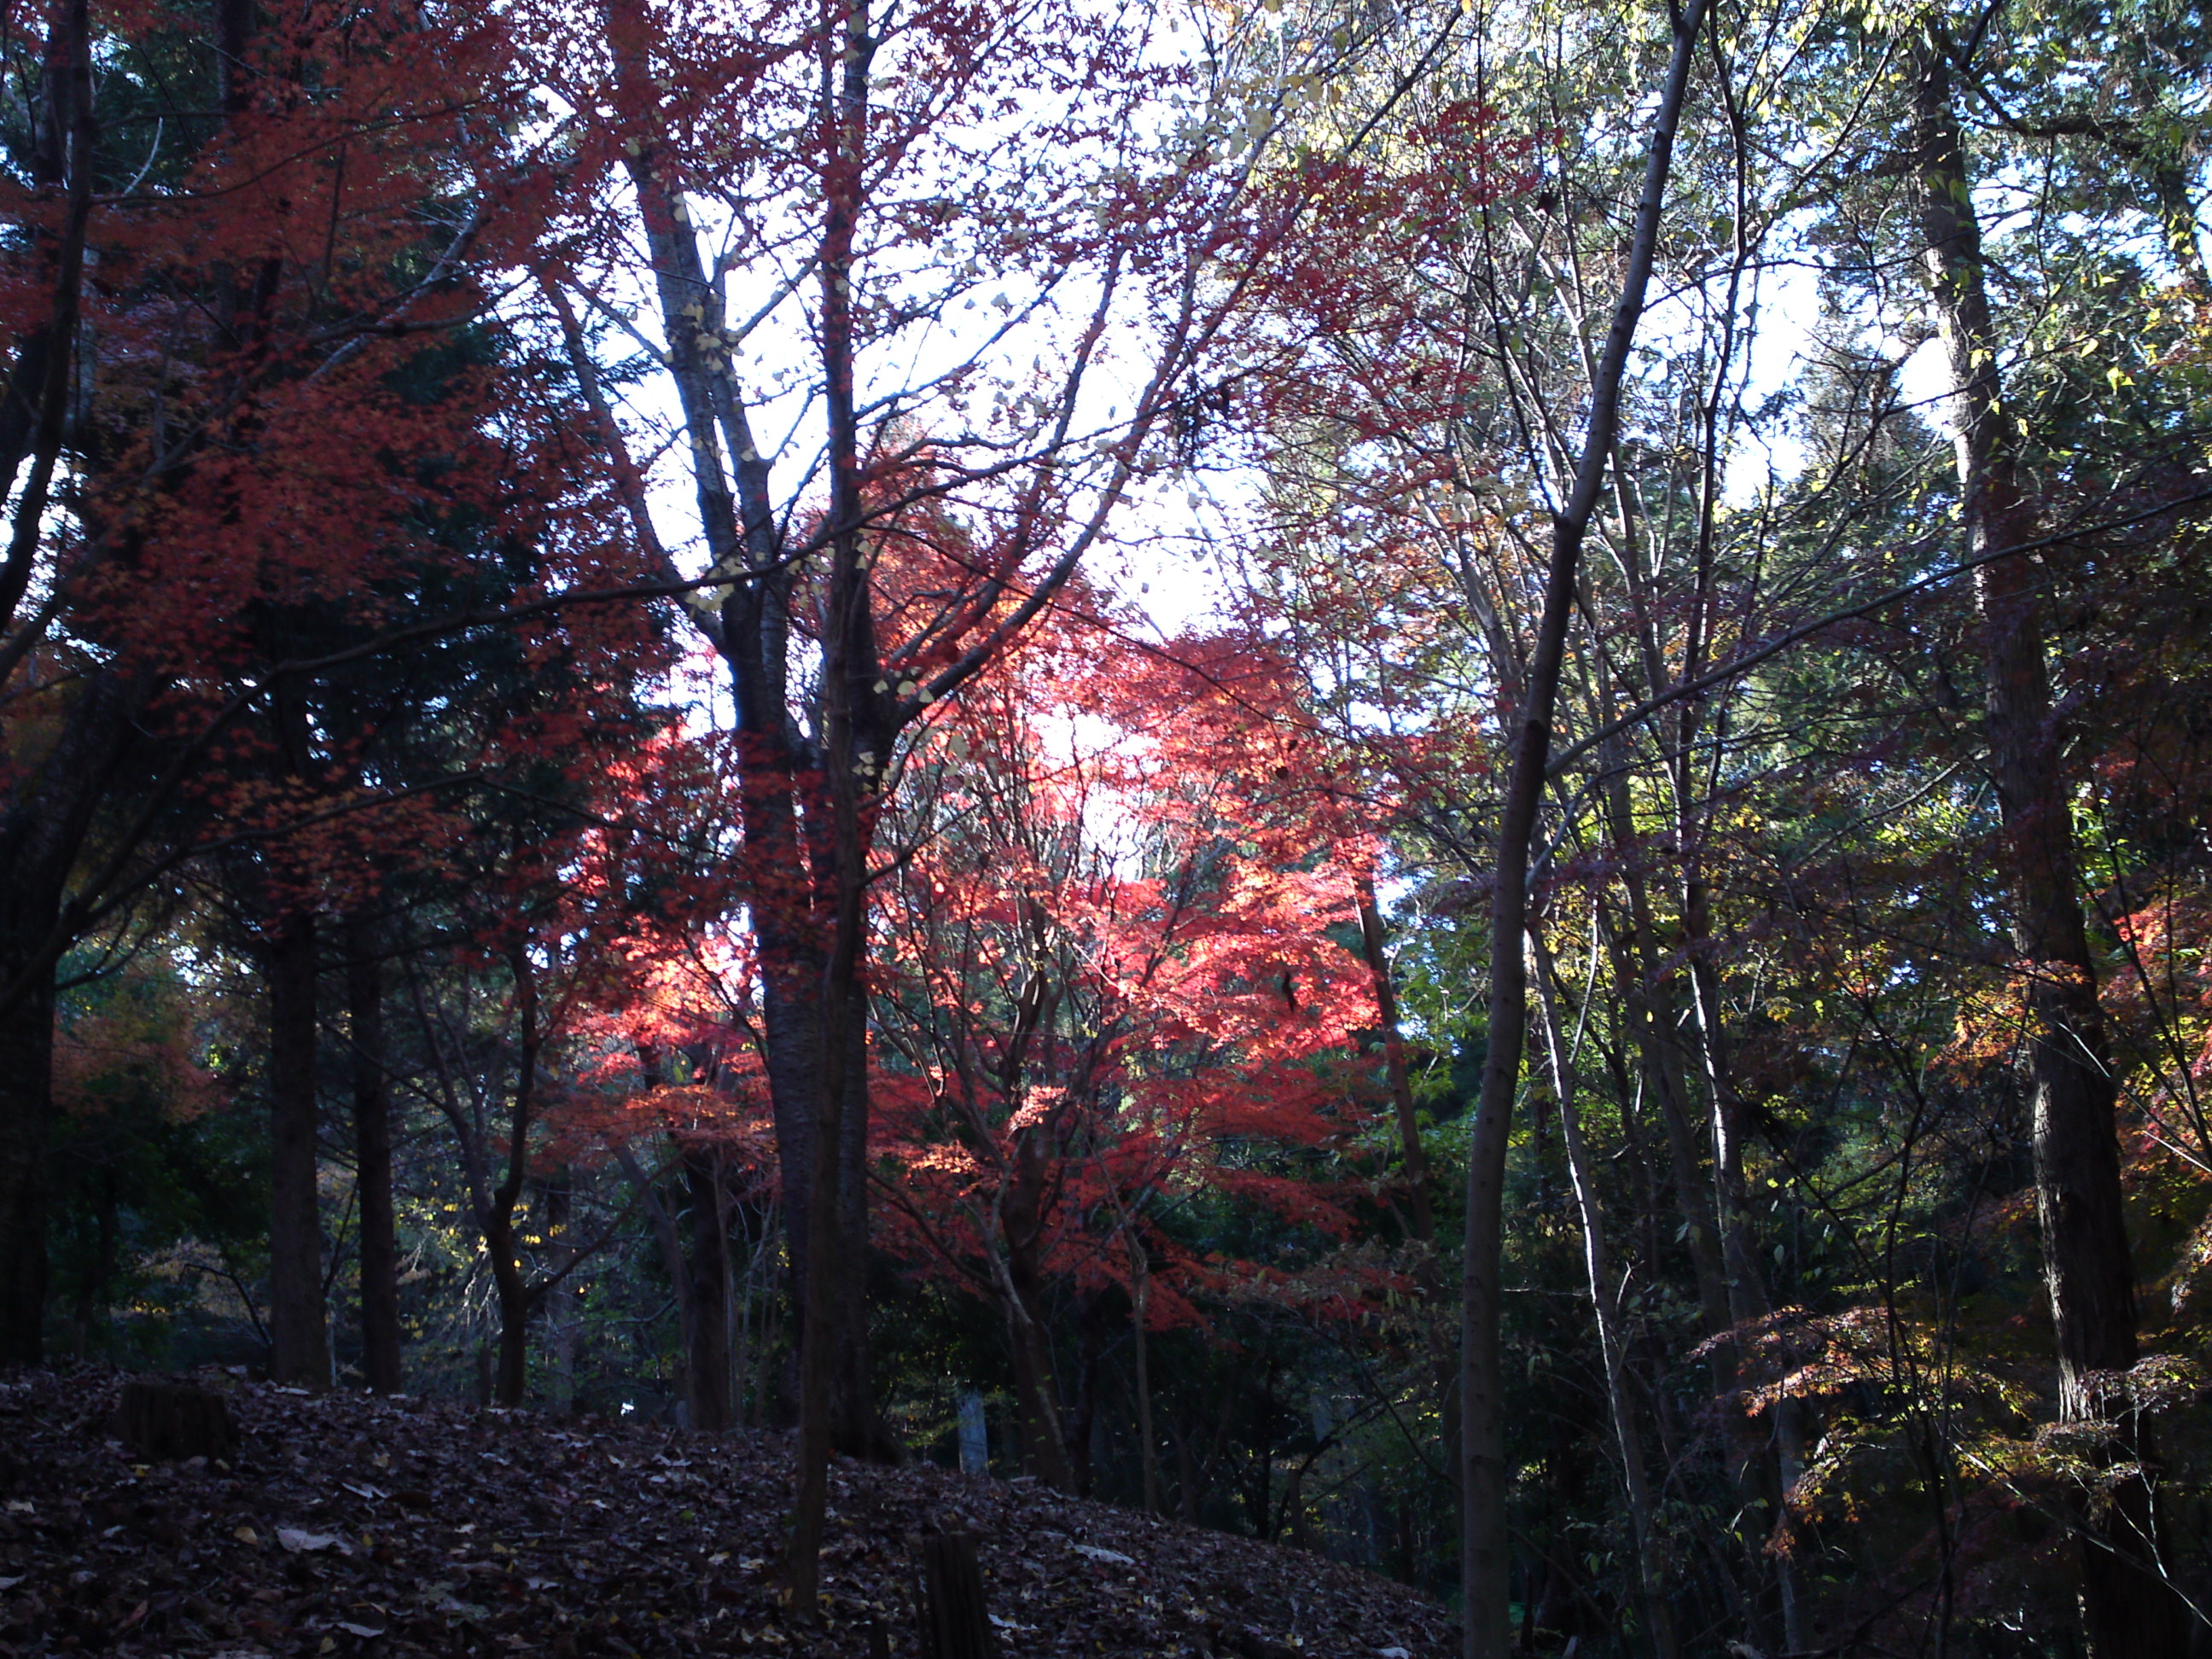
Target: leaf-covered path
348, 1525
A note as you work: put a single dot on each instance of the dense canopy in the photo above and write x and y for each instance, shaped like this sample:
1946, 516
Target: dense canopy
1430, 781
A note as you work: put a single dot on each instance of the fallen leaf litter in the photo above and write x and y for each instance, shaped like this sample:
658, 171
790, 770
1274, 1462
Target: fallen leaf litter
347, 1525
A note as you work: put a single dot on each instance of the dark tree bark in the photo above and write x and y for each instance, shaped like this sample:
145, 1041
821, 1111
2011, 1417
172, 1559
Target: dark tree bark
2128, 1604
707, 1270
1420, 1214
372, 1139
1485, 1556
300, 1352
27, 1053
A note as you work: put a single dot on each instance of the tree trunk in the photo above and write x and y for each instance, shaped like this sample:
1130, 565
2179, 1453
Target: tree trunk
856, 754
1421, 1213
518, 1299
1044, 1442
44, 819
670, 1238
1778, 1464
511, 1371
300, 1353
706, 1351
1140, 1296
27, 1054
561, 1299
1647, 1564
1485, 1557
372, 1137
2129, 1607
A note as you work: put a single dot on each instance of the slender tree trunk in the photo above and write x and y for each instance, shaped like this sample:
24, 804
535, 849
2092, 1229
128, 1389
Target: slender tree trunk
1485, 1558
518, 1299
1419, 1211
1647, 1563
372, 1136
670, 1238
2130, 1607
298, 1324
1140, 1296
1778, 1464
561, 1299
92, 1289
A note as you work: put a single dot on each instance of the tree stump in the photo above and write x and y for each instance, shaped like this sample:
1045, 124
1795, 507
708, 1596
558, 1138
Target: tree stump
162, 1419
950, 1590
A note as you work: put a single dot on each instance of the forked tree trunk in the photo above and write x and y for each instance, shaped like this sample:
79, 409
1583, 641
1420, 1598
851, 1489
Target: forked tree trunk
300, 1352
1486, 1550
2131, 1610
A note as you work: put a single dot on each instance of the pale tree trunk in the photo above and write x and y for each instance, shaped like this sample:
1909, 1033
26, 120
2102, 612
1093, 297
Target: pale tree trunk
2131, 1610
300, 1353
1750, 1306
1486, 1560
1648, 1562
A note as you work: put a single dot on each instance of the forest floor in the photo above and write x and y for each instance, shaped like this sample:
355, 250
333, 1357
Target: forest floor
344, 1525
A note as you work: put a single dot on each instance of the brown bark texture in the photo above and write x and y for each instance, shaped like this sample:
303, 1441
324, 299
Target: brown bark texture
299, 1335
2129, 1605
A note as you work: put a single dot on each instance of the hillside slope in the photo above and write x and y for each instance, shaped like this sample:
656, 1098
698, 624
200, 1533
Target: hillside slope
346, 1525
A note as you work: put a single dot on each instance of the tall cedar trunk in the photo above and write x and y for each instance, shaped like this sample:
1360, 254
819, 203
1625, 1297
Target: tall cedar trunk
2127, 1604
1650, 1017
708, 1348
299, 1337
1485, 1557
379, 1242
